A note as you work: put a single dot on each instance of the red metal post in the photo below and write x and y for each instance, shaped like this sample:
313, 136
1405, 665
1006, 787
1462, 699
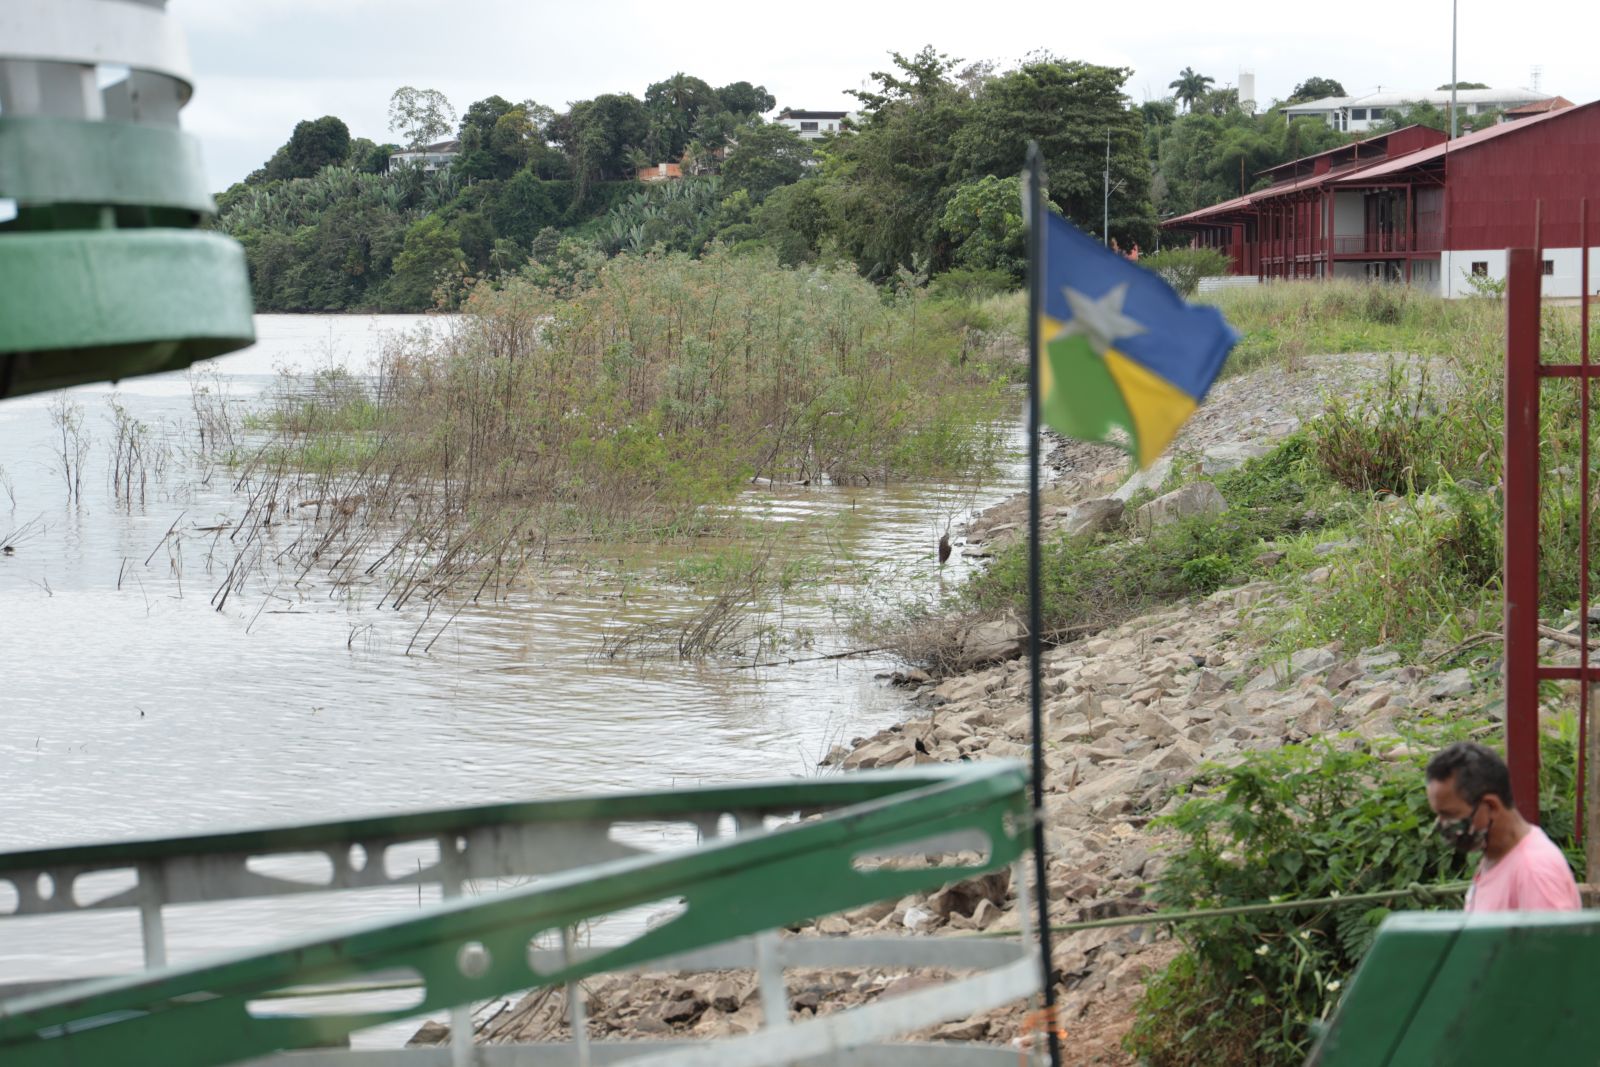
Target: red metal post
1585, 673
1411, 234
1522, 528
1327, 233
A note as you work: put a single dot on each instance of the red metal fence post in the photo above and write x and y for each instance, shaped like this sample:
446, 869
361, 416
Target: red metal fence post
1522, 528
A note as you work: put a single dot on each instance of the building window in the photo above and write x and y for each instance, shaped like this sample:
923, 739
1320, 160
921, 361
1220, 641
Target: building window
808, 127
1480, 268
1549, 267
1359, 114
1376, 113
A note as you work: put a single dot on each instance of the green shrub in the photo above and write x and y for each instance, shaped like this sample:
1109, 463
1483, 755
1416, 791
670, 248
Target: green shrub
1184, 267
1385, 442
1206, 574
1297, 822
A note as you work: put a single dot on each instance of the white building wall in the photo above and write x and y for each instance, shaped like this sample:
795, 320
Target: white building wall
824, 127
1425, 275
1349, 217
1563, 281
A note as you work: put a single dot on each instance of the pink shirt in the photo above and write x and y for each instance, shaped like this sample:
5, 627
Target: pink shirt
1533, 876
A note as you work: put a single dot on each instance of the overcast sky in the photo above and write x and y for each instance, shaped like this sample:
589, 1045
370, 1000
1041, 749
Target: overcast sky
263, 65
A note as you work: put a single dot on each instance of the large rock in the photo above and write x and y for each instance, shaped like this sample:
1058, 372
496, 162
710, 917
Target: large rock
1225, 457
1092, 517
986, 642
1311, 661
1196, 498
1453, 683
1150, 478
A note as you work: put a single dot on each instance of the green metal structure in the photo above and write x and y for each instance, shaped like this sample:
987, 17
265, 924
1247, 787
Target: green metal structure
105, 271
1457, 990
768, 856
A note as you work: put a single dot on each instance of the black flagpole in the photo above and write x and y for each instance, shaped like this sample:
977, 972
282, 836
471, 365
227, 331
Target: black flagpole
1035, 218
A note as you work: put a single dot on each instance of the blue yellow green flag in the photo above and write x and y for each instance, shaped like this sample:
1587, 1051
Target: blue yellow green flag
1118, 347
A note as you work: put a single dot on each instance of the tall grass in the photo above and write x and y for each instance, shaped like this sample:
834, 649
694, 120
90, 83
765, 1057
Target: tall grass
1286, 322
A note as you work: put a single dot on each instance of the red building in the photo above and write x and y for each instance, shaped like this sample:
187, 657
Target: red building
1413, 206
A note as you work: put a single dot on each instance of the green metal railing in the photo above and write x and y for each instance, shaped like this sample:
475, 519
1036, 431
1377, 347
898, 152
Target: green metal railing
1459, 990
744, 879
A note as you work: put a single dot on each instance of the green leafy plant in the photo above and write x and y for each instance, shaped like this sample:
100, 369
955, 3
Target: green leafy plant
1383, 442
1184, 267
1301, 822
1482, 285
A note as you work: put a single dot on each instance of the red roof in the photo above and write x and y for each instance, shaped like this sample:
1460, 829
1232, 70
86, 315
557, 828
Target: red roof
1249, 200
1353, 147
1465, 143
1539, 107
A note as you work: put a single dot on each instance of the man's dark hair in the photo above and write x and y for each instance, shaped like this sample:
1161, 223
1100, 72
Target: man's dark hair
1478, 771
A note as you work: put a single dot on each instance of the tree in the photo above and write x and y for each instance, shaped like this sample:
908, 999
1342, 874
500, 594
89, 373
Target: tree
793, 221
598, 135
1070, 108
674, 105
314, 144
984, 221
1462, 85
884, 186
742, 98
1216, 102
369, 158
431, 251
1316, 89
421, 116
1206, 158
1189, 85
1421, 113
768, 154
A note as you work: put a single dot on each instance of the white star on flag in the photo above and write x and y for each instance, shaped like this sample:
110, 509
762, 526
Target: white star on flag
1101, 321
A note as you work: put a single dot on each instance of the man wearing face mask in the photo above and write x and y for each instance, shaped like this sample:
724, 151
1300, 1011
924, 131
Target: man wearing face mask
1469, 789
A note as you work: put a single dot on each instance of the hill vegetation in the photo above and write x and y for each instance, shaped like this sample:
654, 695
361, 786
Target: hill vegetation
922, 182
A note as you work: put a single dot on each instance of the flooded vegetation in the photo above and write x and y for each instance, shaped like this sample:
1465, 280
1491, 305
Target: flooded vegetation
632, 409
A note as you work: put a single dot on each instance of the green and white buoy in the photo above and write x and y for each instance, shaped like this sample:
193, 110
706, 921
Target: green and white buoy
105, 272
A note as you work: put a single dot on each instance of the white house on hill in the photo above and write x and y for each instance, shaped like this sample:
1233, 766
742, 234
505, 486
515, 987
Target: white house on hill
430, 157
813, 125
1358, 114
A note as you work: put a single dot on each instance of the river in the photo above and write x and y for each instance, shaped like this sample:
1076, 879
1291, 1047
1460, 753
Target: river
130, 707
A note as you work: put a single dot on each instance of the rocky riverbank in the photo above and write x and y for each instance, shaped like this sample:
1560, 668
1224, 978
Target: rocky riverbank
1129, 714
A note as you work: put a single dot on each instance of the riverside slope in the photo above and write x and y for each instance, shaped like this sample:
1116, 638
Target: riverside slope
1130, 712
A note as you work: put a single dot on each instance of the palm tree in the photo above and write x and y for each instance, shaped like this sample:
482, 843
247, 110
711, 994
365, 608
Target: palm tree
1189, 86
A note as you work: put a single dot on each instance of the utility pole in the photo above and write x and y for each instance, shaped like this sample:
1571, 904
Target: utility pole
1453, 125
1105, 210
1105, 219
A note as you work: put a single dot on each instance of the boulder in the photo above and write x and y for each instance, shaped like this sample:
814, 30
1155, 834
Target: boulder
1227, 456
997, 639
1155, 726
1196, 498
1150, 478
725, 996
1453, 683
1092, 517
1310, 661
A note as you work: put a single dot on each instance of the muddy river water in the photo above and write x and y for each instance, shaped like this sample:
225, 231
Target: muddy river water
130, 707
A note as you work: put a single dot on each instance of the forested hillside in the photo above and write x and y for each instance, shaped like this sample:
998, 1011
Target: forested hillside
922, 183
